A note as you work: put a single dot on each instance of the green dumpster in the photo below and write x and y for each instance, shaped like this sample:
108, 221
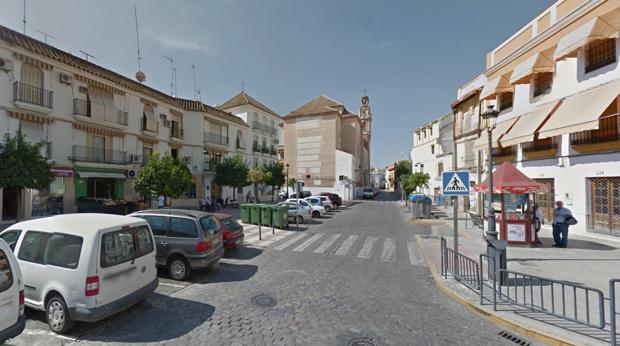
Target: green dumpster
255, 213
280, 216
245, 213
265, 215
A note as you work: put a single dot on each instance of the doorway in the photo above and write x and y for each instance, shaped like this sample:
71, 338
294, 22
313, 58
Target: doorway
9, 204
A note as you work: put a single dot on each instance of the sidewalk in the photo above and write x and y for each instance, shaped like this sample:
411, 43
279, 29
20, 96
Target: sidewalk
588, 261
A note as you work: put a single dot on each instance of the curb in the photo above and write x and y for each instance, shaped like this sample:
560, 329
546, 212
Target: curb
490, 315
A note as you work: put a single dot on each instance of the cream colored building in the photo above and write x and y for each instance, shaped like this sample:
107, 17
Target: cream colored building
328, 147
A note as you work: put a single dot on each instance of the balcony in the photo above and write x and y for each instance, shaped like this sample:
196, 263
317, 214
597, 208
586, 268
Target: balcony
264, 149
150, 126
256, 148
32, 95
207, 166
540, 148
240, 144
501, 155
263, 127
606, 138
215, 138
175, 130
98, 155
99, 112
273, 151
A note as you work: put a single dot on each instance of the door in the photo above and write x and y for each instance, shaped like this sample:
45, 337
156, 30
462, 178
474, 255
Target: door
9, 290
145, 257
604, 208
117, 265
546, 200
183, 235
9, 203
159, 226
30, 255
98, 149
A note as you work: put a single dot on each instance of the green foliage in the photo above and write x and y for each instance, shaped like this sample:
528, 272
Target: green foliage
255, 177
273, 176
402, 167
291, 182
164, 175
411, 182
22, 165
231, 172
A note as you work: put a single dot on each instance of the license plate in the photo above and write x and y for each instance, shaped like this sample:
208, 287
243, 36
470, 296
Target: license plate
238, 241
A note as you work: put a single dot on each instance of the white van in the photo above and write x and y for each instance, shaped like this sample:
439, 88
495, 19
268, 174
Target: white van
12, 318
83, 267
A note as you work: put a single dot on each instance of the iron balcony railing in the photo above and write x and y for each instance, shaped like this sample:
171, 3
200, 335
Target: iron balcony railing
264, 149
34, 95
83, 108
215, 138
608, 131
256, 125
539, 145
152, 126
207, 166
175, 130
256, 148
99, 155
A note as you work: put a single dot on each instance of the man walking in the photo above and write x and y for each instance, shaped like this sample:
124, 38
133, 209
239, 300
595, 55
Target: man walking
560, 227
161, 201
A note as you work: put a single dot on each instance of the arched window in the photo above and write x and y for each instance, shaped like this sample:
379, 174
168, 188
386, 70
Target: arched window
240, 144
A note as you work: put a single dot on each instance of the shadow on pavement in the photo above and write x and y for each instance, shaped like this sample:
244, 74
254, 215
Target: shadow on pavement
579, 244
224, 272
243, 252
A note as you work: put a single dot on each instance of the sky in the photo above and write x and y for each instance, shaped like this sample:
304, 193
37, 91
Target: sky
410, 56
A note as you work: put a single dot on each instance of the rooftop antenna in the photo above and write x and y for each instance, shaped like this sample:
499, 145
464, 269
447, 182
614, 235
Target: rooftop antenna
140, 76
45, 35
196, 91
86, 55
243, 86
174, 71
24, 20
171, 75
364, 92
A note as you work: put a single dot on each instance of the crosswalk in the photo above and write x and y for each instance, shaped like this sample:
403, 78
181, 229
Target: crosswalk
368, 248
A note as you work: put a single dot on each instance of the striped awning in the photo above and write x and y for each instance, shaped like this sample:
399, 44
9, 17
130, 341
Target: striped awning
31, 117
595, 29
537, 63
148, 140
35, 62
99, 130
99, 85
496, 86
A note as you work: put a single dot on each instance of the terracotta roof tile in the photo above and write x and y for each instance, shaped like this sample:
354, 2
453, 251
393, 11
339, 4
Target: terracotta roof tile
242, 99
320, 105
197, 106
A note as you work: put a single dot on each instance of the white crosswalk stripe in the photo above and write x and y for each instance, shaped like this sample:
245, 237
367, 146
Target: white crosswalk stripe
366, 250
308, 242
280, 234
414, 256
327, 243
389, 250
290, 241
346, 245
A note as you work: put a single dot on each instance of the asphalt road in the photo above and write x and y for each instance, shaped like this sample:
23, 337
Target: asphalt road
355, 277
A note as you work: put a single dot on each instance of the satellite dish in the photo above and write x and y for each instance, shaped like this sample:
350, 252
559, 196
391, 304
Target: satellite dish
140, 76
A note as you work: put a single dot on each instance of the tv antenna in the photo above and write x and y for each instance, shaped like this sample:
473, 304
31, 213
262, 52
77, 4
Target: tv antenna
86, 55
172, 74
140, 76
45, 35
196, 91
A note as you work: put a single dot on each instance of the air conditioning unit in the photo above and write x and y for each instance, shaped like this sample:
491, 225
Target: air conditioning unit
83, 89
66, 78
6, 65
187, 160
136, 159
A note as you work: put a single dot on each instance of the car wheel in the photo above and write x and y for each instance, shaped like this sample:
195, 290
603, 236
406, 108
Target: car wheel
316, 214
328, 209
300, 219
57, 315
178, 269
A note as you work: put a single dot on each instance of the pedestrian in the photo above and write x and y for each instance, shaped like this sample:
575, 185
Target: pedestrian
248, 197
161, 201
561, 216
538, 222
208, 203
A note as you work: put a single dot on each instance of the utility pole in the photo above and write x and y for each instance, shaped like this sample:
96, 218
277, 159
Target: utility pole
172, 73
24, 20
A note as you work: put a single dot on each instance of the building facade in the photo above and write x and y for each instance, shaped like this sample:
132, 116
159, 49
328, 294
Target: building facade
327, 147
556, 83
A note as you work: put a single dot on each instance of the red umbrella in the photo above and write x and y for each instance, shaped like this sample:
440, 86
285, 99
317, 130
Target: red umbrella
508, 179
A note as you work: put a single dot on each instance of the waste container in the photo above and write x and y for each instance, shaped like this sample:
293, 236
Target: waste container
420, 206
265, 215
245, 213
279, 214
255, 214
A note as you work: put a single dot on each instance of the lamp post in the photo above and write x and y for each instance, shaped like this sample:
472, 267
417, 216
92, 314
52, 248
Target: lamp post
490, 116
287, 165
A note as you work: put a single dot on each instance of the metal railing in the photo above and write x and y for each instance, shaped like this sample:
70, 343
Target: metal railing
34, 95
603, 134
614, 314
151, 126
175, 130
256, 148
539, 145
272, 151
264, 149
256, 125
215, 138
464, 269
99, 155
82, 107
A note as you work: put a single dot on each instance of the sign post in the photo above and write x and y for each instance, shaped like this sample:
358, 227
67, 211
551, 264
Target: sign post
455, 184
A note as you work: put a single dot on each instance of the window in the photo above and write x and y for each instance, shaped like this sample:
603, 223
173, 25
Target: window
147, 152
439, 168
231, 224
600, 53
505, 101
158, 224
209, 225
6, 275
32, 247
433, 149
174, 153
431, 129
117, 247
144, 241
98, 148
10, 237
62, 250
32, 75
542, 84
183, 228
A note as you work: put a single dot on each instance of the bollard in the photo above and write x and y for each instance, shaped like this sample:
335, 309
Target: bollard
260, 237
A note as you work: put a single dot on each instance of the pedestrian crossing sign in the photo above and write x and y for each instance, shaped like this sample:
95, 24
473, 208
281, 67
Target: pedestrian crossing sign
455, 183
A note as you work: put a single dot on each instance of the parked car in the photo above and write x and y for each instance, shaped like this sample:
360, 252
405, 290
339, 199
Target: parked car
316, 201
302, 194
282, 194
232, 231
368, 193
84, 267
317, 210
296, 211
326, 202
335, 198
12, 317
185, 239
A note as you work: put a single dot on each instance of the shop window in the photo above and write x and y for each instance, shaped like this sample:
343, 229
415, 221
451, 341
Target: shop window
49, 201
542, 83
505, 101
600, 53
101, 188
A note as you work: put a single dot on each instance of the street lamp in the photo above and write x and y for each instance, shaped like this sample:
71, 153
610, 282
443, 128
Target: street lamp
490, 116
287, 165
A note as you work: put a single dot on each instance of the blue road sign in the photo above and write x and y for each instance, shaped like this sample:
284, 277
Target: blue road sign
455, 183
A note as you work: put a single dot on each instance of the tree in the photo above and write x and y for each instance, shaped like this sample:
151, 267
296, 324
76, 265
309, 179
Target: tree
402, 167
163, 175
255, 177
274, 175
23, 166
291, 182
231, 172
411, 182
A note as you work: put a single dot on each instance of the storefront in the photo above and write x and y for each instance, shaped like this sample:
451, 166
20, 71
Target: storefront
51, 200
99, 183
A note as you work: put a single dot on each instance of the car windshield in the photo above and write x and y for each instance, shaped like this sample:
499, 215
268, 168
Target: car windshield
368, 190
230, 223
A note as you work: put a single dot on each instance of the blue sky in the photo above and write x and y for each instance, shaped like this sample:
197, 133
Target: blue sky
410, 55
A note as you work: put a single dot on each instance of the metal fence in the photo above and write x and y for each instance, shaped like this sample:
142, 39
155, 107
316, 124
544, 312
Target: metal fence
614, 314
464, 269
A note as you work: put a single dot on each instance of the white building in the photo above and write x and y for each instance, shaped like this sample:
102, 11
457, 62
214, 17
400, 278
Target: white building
556, 82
